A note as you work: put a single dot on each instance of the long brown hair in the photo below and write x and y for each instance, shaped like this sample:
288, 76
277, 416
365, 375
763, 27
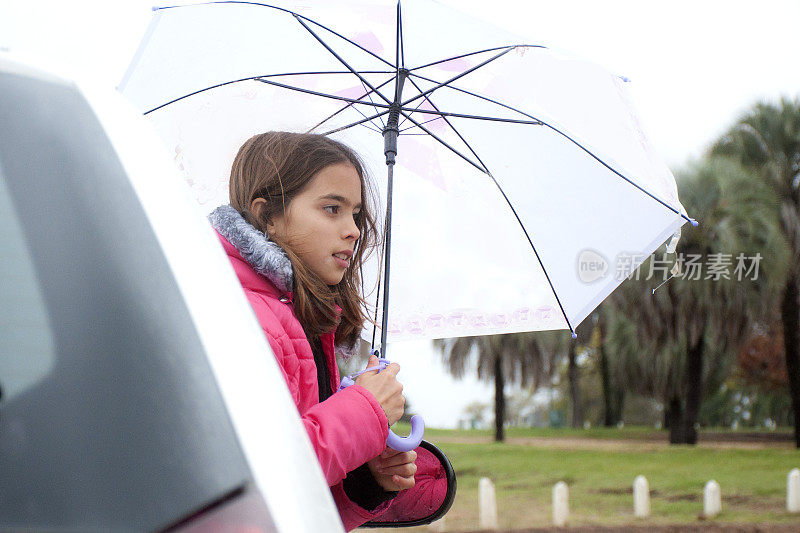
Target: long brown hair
277, 166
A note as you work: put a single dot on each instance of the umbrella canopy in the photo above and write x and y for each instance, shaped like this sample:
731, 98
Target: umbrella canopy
524, 191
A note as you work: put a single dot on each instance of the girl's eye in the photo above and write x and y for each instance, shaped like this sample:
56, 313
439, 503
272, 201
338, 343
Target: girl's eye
332, 209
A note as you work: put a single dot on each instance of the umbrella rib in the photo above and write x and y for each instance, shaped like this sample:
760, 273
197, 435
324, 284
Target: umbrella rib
323, 121
508, 202
373, 54
475, 53
454, 129
445, 114
530, 241
397, 38
296, 15
315, 73
579, 145
402, 61
429, 132
476, 95
356, 123
416, 107
372, 126
341, 60
458, 76
262, 80
369, 95
412, 127
367, 92
309, 91
514, 211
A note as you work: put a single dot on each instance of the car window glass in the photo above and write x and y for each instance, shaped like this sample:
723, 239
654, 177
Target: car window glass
27, 351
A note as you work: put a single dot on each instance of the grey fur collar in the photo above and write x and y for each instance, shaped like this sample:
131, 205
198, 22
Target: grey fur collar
266, 257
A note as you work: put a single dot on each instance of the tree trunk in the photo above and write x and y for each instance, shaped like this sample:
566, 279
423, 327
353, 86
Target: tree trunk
613, 397
790, 316
574, 386
617, 404
694, 389
605, 381
675, 416
499, 399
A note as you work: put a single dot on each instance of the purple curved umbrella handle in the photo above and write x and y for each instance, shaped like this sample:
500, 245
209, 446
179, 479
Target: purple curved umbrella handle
406, 444
393, 441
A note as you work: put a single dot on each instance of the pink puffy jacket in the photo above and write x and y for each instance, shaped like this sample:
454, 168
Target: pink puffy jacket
349, 428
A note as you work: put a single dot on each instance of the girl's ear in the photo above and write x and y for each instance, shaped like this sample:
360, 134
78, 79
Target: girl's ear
257, 208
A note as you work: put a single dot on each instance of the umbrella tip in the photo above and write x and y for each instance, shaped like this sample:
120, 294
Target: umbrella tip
574, 335
693, 222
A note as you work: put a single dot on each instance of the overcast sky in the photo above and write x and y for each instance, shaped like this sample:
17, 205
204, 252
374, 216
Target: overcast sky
695, 66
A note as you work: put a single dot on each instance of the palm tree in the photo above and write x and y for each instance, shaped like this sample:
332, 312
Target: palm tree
583, 338
767, 141
612, 386
682, 340
517, 358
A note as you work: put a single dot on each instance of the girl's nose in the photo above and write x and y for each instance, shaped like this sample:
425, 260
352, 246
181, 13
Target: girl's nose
352, 230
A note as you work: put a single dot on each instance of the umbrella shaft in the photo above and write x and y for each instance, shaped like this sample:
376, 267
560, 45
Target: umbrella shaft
387, 256
392, 130
390, 133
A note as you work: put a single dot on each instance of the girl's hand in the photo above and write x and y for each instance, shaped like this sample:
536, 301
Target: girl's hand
385, 388
394, 470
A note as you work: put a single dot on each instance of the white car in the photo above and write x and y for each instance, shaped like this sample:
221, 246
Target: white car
135, 393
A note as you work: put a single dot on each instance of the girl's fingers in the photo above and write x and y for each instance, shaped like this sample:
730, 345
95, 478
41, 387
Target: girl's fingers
373, 362
391, 369
405, 470
389, 452
398, 459
404, 483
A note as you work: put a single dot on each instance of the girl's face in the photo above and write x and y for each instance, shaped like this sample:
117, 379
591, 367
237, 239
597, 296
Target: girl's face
319, 223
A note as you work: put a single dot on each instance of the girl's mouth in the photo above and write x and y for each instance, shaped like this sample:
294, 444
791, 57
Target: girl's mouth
342, 259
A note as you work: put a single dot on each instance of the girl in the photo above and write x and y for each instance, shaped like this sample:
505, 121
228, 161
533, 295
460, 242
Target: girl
296, 232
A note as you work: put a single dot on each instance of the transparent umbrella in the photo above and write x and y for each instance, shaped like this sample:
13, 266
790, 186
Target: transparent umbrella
521, 189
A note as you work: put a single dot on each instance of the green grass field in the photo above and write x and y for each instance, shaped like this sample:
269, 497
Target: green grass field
752, 477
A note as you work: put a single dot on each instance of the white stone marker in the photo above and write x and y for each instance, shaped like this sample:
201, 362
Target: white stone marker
560, 504
641, 497
793, 491
487, 504
712, 499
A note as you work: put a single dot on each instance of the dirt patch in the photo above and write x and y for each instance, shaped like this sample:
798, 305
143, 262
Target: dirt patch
653, 443
756, 504
686, 497
681, 528
564, 443
518, 486
758, 437
616, 491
